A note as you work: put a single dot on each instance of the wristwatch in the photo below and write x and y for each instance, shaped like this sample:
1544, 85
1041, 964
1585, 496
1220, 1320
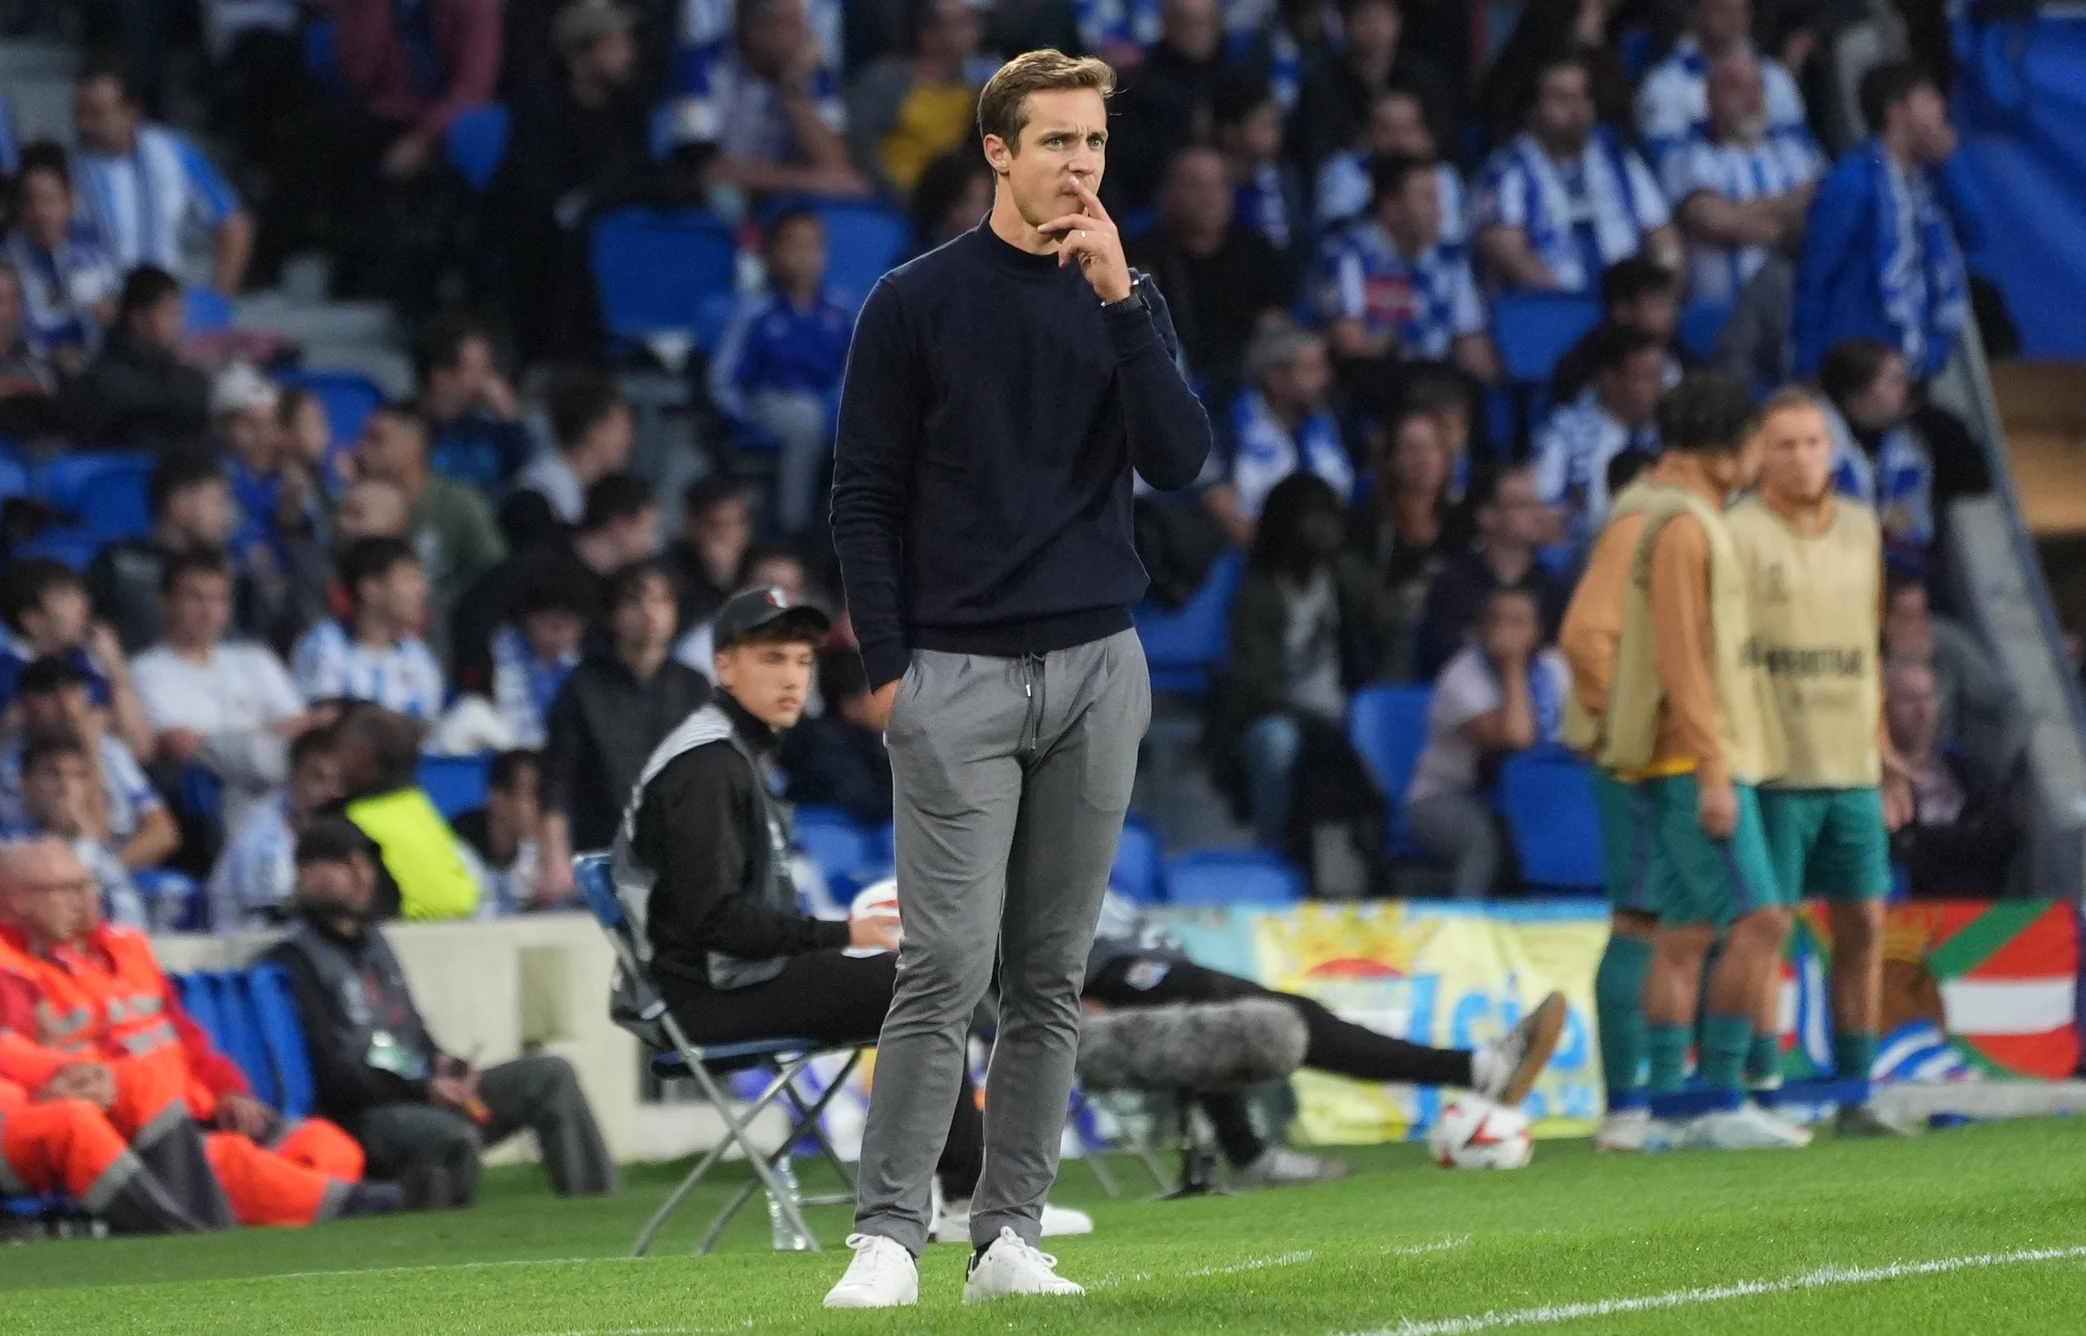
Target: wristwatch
1134, 302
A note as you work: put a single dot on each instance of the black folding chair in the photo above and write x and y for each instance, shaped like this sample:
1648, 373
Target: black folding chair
675, 1058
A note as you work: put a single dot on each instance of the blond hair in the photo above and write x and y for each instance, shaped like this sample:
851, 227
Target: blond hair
1003, 105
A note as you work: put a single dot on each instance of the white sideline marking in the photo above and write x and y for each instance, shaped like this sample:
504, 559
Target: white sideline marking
1284, 1259
1254, 1264
1822, 1278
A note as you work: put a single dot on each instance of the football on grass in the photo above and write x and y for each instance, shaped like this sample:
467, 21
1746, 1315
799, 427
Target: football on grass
1475, 1133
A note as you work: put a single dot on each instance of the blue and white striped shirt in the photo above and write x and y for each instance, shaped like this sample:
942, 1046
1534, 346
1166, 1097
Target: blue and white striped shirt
256, 875
141, 200
1571, 454
722, 102
330, 664
1344, 188
1431, 301
1673, 101
1898, 484
708, 23
1582, 214
1264, 451
1774, 166
524, 686
60, 286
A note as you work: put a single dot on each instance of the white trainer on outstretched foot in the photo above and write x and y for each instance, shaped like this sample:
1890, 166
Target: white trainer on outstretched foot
1011, 1266
1506, 1067
883, 1275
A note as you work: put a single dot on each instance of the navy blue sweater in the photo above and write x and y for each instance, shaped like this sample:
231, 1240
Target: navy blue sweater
989, 422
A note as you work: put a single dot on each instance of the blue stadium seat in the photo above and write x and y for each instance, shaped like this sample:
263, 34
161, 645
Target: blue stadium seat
1140, 864
831, 838
476, 142
1388, 727
1215, 877
863, 241
347, 395
1534, 329
275, 1011
654, 268
199, 1000
1701, 325
74, 547
15, 476
1186, 645
455, 784
206, 310
238, 1033
105, 488
1547, 797
174, 899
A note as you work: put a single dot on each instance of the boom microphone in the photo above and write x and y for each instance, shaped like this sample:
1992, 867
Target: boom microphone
1191, 1046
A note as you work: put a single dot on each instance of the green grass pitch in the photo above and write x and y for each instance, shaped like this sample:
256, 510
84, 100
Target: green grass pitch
1981, 1229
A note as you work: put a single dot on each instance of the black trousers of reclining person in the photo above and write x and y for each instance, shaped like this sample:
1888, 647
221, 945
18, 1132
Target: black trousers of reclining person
835, 998
1334, 1045
421, 1143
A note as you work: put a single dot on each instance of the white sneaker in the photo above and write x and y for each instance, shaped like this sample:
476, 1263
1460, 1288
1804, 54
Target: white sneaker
1011, 1266
952, 1221
1503, 1069
1749, 1127
883, 1275
1624, 1130
1282, 1166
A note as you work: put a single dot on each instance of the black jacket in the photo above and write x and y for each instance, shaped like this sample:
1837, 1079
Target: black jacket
832, 762
602, 726
348, 989
139, 394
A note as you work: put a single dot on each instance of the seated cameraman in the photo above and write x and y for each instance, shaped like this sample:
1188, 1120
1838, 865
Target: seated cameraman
1133, 964
702, 866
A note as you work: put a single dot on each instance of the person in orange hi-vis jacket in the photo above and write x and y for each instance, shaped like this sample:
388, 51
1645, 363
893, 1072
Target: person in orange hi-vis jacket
68, 1146
86, 1012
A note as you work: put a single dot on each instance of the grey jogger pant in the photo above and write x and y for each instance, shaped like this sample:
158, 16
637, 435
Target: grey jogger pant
1011, 777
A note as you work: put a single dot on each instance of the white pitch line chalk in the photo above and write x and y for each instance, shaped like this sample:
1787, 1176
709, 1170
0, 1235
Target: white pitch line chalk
1824, 1277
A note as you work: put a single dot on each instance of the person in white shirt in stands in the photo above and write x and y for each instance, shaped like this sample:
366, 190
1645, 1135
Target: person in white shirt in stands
1567, 198
227, 707
144, 184
592, 432
1397, 129
1616, 413
58, 800
1739, 192
255, 881
124, 811
1502, 694
769, 99
1673, 100
1279, 425
376, 653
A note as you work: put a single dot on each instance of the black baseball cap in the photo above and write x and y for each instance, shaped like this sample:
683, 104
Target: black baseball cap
754, 609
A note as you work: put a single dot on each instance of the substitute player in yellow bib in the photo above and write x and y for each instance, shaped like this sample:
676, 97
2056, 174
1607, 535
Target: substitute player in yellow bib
1814, 565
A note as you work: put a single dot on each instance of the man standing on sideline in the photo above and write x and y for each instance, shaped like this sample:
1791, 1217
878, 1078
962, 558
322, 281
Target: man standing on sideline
999, 393
1814, 561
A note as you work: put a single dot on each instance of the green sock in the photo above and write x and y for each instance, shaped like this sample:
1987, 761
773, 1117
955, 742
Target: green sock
1668, 1048
1725, 1040
1618, 996
1853, 1053
1764, 1058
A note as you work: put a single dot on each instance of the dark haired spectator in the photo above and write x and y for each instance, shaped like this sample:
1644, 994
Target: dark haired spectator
1166, 103
57, 793
1567, 197
1878, 456
534, 653
612, 711
225, 706
28, 376
1306, 630
779, 364
1290, 47
776, 564
1636, 293
1502, 693
255, 879
375, 653
1963, 838
954, 193
410, 73
1626, 468
1572, 449
1545, 30
1278, 425
507, 833
1981, 719
1408, 528
1397, 128
1391, 286
129, 818
137, 391
144, 184
191, 505
1222, 281
838, 758
1513, 524
1268, 192
66, 281
592, 434
450, 525
768, 100
278, 542
474, 418
908, 109
46, 613
1677, 99
1333, 107
1880, 257
716, 530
